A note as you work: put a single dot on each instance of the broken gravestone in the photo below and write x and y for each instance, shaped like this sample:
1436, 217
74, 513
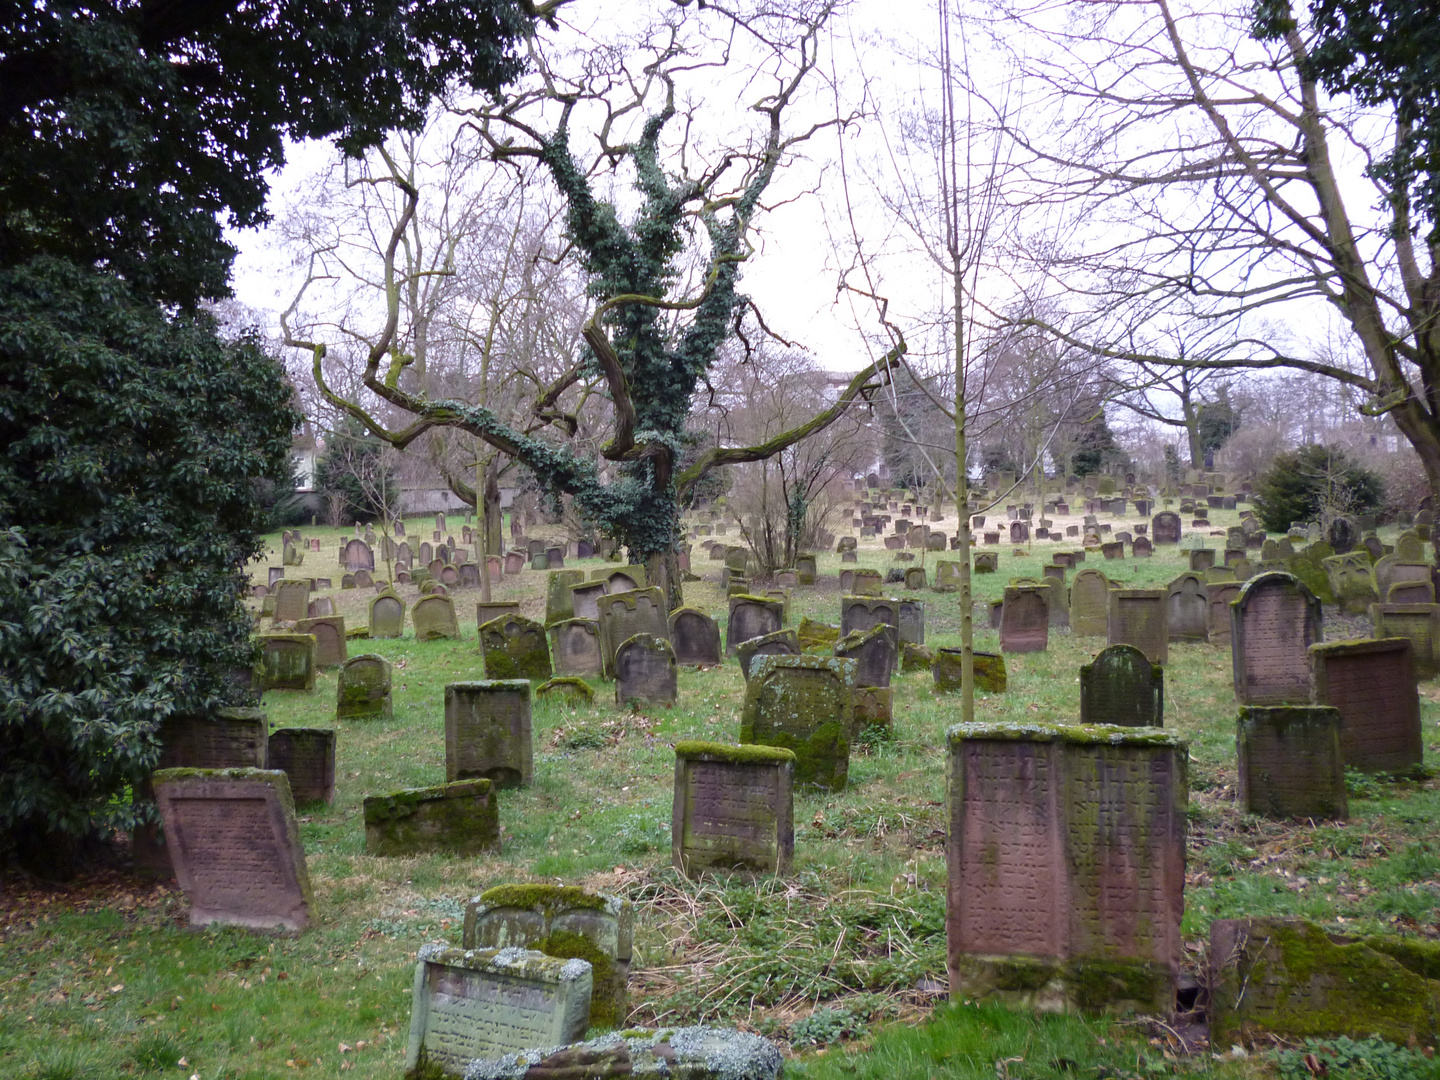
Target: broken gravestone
460, 818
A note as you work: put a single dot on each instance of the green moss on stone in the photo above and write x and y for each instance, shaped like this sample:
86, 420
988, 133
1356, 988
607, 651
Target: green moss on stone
1037, 731
1097, 985
608, 1004
537, 896
745, 754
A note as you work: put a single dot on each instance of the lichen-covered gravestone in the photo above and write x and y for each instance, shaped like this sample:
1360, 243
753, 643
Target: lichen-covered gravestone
695, 636
1138, 617
434, 619
645, 672
487, 732
559, 600
575, 647
733, 808
804, 704
235, 846
1165, 527
873, 651
1066, 865
387, 616
866, 612
625, 614
1187, 610
781, 643
1290, 761
1372, 684
1025, 620
364, 689
515, 648
989, 669
751, 617
287, 662
866, 582
1273, 623
1089, 603
486, 1003
1121, 686
307, 758
566, 923
461, 818
1420, 623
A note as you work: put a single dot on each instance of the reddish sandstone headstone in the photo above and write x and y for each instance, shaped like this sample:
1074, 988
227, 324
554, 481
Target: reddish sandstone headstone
1290, 761
487, 732
1065, 856
1273, 623
307, 758
1219, 595
1372, 683
1025, 620
733, 808
1138, 617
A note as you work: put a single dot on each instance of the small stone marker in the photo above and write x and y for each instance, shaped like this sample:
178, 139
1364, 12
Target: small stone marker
989, 668
1121, 686
733, 808
461, 818
1024, 620
236, 849
387, 616
804, 704
1290, 761
486, 1003
1418, 622
1372, 684
1137, 617
645, 672
434, 619
1187, 609
307, 758
287, 662
1066, 857
1273, 623
487, 732
695, 636
575, 648
570, 689
364, 689
781, 643
515, 648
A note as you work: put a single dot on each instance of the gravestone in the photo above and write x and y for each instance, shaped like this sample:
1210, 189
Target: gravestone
460, 818
750, 617
780, 643
514, 562
1138, 617
570, 689
1089, 603
358, 556
804, 704
1342, 535
585, 599
864, 612
387, 616
1411, 592
224, 739
575, 648
1290, 762
559, 599
469, 576
1273, 623
1372, 684
1165, 527
868, 582
1201, 559
1420, 623
1218, 597
1121, 686
625, 614
487, 732
1024, 620
479, 1004
292, 600
307, 758
986, 562
555, 558
733, 809
330, 639
645, 672
1391, 570
915, 578
364, 689
565, 923
1351, 582
232, 838
496, 609
989, 669
695, 636
434, 619
873, 651
287, 662
910, 616
1187, 613
515, 648
805, 569
320, 607
1066, 860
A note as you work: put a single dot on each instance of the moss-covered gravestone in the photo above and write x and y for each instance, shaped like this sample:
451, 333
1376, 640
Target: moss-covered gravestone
1351, 580
805, 569
567, 688
1290, 761
733, 808
434, 619
460, 818
1121, 686
1066, 865
482, 1004
866, 582
1372, 683
645, 672
804, 704
873, 651
780, 643
287, 662
1291, 979
989, 669
307, 758
488, 733
625, 614
515, 648
575, 647
292, 600
1420, 623
566, 923
387, 616
1273, 622
235, 846
364, 689
1089, 603
559, 600
1138, 617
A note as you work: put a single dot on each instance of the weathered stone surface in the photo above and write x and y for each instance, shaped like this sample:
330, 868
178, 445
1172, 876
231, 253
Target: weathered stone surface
488, 733
461, 818
567, 688
225, 739
1165, 527
1218, 597
1291, 979
434, 619
387, 616
751, 617
817, 636
233, 841
689, 1053
307, 758
864, 612
868, 582
1418, 622
1351, 581
804, 704
780, 643
287, 662
910, 619
485, 1003
733, 808
1372, 684
805, 569
625, 614
645, 672
987, 562
1090, 603
363, 691
1066, 865
1121, 686
358, 556
586, 598
1187, 609
989, 668
559, 601
1138, 617
329, 634
695, 636
292, 600
1290, 761
515, 648
575, 648
1273, 623
1025, 620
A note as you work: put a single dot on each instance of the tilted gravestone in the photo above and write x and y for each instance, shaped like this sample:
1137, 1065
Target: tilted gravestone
575, 648
1065, 855
330, 640
1290, 761
559, 600
586, 598
487, 732
873, 651
695, 636
1372, 684
1138, 617
460, 818
1420, 623
989, 670
1121, 686
515, 648
482, 1004
307, 758
645, 671
751, 617
1024, 620
292, 600
1219, 596
804, 704
1273, 623
733, 808
781, 643
235, 846
1089, 603
287, 662
387, 616
1187, 610
1165, 527
566, 923
364, 689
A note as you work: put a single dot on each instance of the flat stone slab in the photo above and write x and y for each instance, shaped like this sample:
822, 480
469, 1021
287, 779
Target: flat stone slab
689, 1053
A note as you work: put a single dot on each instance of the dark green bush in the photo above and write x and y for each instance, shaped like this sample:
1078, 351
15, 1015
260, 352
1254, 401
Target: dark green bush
1315, 479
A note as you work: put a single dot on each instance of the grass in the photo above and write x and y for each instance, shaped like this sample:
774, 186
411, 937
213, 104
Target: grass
843, 960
